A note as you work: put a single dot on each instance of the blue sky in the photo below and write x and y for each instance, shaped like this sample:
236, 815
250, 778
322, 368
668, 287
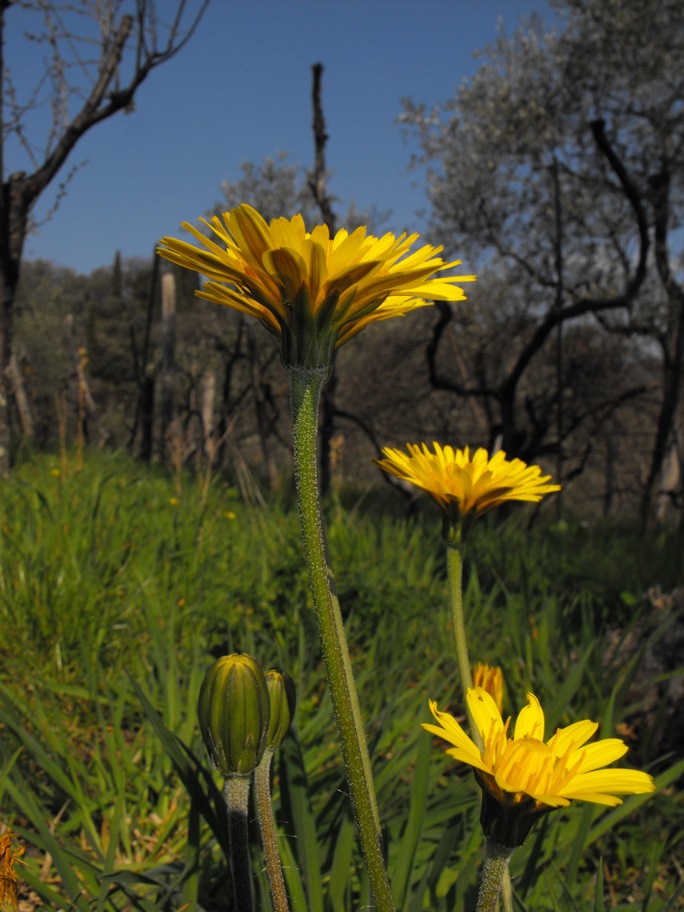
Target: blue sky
241, 91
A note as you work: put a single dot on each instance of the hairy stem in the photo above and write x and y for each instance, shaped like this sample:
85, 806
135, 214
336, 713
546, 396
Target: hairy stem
269, 839
236, 793
305, 388
494, 869
455, 576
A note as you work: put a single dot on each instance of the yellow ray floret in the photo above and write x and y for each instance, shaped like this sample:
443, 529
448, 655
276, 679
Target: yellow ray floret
463, 483
288, 277
552, 773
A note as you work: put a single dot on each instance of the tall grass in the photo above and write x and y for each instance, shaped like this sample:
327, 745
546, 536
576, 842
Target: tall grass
118, 587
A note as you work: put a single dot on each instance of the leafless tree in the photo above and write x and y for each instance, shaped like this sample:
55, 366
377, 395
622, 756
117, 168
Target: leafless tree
97, 54
559, 166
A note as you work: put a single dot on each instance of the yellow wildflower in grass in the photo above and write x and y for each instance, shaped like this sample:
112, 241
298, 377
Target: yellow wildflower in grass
524, 776
9, 881
490, 678
463, 485
314, 290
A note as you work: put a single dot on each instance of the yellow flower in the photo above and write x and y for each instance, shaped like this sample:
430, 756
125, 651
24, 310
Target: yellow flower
9, 881
524, 776
490, 678
314, 290
461, 484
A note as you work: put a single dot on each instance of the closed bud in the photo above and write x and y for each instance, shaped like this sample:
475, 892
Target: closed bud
282, 694
490, 678
234, 712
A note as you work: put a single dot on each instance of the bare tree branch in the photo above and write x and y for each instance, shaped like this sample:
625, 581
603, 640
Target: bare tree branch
106, 97
318, 178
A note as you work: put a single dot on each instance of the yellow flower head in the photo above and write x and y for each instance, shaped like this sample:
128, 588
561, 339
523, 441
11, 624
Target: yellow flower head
490, 678
9, 881
313, 290
524, 776
463, 485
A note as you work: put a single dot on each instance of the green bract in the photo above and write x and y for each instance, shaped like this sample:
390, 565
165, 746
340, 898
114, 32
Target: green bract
234, 713
282, 694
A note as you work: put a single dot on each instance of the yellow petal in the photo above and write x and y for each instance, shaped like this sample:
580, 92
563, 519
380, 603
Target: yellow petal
601, 786
485, 713
451, 731
572, 737
289, 268
530, 721
601, 753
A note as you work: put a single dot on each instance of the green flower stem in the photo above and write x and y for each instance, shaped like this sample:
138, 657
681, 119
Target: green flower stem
269, 840
494, 869
507, 891
305, 388
455, 576
236, 793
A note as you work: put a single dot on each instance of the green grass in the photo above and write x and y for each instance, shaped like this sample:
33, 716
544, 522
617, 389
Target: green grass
118, 587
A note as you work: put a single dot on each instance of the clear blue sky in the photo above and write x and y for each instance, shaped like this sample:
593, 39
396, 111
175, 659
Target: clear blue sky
241, 91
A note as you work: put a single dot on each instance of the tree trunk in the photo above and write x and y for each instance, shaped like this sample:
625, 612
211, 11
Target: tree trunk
102, 99
146, 401
670, 480
207, 411
20, 398
318, 183
261, 408
168, 357
5, 360
672, 343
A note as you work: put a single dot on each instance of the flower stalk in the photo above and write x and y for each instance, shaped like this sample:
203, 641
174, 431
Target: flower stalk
236, 794
455, 578
494, 870
305, 389
269, 840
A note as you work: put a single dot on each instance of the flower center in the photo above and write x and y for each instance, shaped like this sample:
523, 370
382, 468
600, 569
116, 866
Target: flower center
523, 766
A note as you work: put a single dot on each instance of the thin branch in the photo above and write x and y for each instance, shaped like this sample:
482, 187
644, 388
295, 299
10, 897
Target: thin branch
102, 102
318, 178
594, 304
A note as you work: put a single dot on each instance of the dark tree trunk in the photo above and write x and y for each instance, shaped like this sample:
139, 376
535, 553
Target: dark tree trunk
672, 343
102, 99
168, 359
318, 185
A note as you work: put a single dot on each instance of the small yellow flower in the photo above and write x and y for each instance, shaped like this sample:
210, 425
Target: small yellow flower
9, 881
490, 678
313, 290
524, 776
462, 485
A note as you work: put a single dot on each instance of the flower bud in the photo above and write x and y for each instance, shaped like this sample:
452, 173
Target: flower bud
490, 678
234, 712
282, 694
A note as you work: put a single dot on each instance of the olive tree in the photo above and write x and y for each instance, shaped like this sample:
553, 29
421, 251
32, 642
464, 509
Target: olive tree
558, 169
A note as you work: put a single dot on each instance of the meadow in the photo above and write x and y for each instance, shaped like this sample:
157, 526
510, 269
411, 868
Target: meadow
120, 584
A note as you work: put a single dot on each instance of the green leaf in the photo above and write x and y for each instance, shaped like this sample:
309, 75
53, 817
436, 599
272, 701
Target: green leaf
403, 867
296, 809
